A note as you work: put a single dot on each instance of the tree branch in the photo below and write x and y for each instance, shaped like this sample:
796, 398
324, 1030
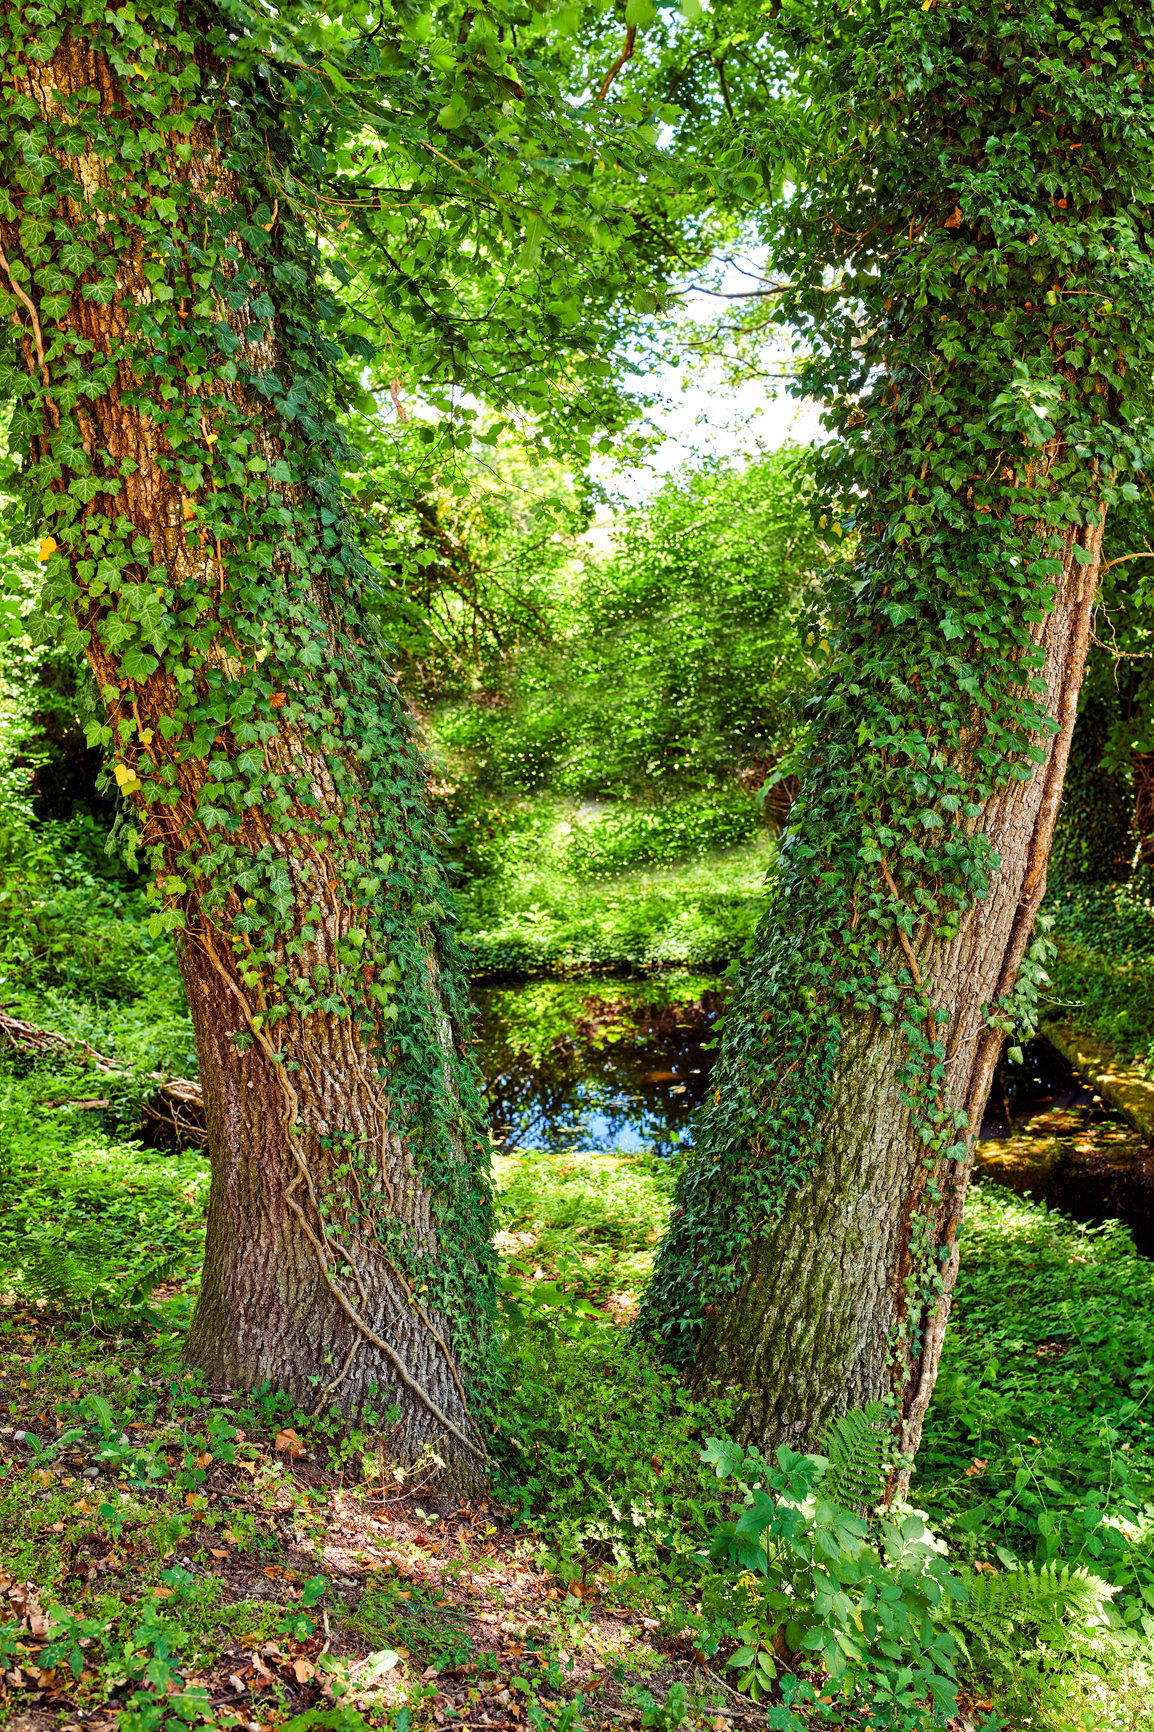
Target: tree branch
625, 54
720, 65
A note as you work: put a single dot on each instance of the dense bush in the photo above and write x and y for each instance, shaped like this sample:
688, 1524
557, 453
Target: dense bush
678, 660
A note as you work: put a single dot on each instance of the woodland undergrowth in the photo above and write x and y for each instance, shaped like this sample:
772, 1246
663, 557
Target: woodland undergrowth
174, 1558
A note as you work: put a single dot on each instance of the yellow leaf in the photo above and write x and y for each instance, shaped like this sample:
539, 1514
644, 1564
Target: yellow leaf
123, 774
47, 549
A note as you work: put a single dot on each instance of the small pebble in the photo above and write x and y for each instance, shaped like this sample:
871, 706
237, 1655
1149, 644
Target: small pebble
91, 1473
19, 1436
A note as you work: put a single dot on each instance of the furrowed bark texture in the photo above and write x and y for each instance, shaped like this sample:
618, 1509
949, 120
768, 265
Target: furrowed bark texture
269, 1308
811, 1333
300, 1289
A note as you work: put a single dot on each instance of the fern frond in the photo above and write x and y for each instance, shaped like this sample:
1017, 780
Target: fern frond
855, 1447
998, 1610
67, 1277
78, 1279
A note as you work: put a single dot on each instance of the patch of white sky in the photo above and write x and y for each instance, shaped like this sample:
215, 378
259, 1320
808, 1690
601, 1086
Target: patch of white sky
697, 410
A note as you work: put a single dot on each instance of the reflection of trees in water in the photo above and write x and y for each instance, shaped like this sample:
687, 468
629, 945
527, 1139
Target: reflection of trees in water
638, 1069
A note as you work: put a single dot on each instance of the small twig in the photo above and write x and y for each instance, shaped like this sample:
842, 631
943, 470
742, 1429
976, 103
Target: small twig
720, 65
1123, 557
736, 1693
625, 54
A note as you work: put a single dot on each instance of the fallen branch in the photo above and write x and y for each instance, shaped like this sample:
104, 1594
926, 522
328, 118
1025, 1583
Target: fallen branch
172, 1117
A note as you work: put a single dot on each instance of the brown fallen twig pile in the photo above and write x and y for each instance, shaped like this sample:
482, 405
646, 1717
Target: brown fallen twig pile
172, 1118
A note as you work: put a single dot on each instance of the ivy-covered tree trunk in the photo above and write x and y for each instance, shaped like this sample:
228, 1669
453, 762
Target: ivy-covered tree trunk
170, 356
979, 302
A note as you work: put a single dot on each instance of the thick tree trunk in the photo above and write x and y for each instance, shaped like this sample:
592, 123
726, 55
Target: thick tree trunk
181, 464
821, 1322
983, 360
285, 1275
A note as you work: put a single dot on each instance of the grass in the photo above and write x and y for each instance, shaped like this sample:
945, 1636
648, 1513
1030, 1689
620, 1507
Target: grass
190, 1546
537, 914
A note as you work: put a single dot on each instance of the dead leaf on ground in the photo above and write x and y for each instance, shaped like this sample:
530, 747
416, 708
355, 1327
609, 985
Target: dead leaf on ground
288, 1443
303, 1670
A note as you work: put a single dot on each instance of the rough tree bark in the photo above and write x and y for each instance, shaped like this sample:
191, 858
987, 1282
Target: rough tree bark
164, 323
977, 341
813, 1329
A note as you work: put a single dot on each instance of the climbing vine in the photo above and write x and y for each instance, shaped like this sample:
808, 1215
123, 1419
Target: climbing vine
962, 255
177, 356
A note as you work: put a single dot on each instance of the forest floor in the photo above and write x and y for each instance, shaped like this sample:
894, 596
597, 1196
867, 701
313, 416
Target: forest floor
172, 1554
215, 1561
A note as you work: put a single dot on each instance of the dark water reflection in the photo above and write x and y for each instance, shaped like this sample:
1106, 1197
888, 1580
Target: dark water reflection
1043, 1081
619, 1065
1047, 1135
604, 1064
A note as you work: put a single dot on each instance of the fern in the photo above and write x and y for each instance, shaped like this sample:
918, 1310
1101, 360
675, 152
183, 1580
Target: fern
78, 1280
68, 1276
988, 1625
855, 1447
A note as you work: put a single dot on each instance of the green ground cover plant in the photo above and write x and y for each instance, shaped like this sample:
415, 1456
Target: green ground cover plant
90, 1224
533, 913
1102, 974
1039, 1453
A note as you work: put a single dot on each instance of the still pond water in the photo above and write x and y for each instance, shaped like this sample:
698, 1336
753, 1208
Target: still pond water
612, 1064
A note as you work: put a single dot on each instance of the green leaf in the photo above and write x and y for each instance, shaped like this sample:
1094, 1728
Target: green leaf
137, 664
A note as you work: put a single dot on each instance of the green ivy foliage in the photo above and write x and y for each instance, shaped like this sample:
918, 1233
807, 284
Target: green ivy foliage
961, 241
178, 356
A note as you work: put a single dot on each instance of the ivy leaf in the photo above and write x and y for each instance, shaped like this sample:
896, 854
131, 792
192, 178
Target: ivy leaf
137, 664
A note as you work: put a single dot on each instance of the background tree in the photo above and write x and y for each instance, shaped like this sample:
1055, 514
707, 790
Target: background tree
964, 247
